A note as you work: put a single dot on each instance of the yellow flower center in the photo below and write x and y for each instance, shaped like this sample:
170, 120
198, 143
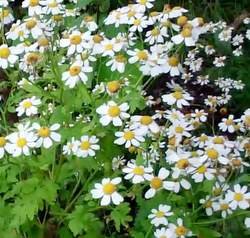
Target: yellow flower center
229, 122
200, 21
177, 95
32, 58
120, 58
143, 2
179, 129
97, 38
202, 169
138, 170
218, 140
186, 32
182, 20
217, 191
114, 111
142, 55
27, 104
155, 32
2, 141
137, 22
129, 135
238, 197
247, 121
5, 12
34, 3
167, 23
44, 132
31, 23
156, 183
113, 86
146, 120
4, 53
130, 14
224, 206
75, 39
53, 4
109, 188
208, 204
21, 142
163, 236
173, 61
236, 162
57, 18
159, 214
74, 70
212, 154
85, 145
109, 47
180, 231
182, 164
43, 42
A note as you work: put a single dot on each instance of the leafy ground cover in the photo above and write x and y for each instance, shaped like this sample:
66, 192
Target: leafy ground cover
124, 119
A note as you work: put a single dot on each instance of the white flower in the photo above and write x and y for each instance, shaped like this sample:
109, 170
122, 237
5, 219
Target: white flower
33, 26
155, 36
227, 124
138, 24
110, 47
129, 138
6, 16
202, 171
20, 142
76, 42
163, 233
179, 129
8, 56
86, 146
28, 106
208, 205
137, 55
144, 4
238, 198
111, 112
77, 72
67, 149
186, 36
145, 124
107, 190
34, 7
180, 230
118, 62
46, 135
222, 206
156, 182
219, 61
137, 173
248, 34
89, 22
53, 7
180, 98
159, 216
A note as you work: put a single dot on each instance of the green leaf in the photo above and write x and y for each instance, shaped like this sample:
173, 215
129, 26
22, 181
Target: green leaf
120, 215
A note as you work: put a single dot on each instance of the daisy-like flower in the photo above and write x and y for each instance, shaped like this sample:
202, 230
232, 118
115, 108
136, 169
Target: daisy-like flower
112, 112
107, 190
138, 24
144, 4
8, 56
3, 142
53, 7
155, 35
186, 36
6, 16
239, 197
77, 72
20, 142
129, 138
223, 206
89, 22
179, 129
145, 124
216, 153
201, 172
33, 26
137, 173
199, 115
68, 148
219, 61
208, 204
159, 216
86, 146
46, 135
227, 124
110, 47
178, 98
28, 106
171, 65
34, 7
180, 230
247, 222
118, 62
156, 182
163, 233
137, 55
76, 42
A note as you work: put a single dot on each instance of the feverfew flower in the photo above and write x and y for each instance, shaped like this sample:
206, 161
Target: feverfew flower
46, 135
159, 216
3, 142
8, 56
107, 190
180, 230
145, 124
239, 197
86, 146
111, 112
28, 106
227, 124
